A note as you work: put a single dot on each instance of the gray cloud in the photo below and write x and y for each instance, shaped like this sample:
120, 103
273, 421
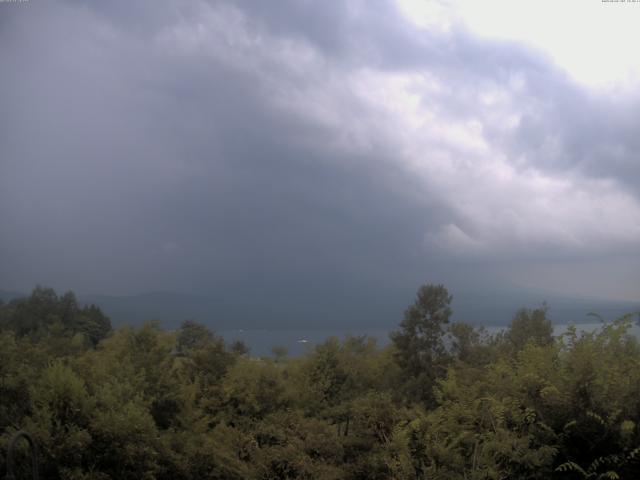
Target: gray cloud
311, 158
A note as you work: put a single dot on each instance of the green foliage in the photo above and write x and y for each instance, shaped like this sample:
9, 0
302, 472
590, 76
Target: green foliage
530, 326
144, 403
192, 336
43, 314
470, 344
419, 343
254, 388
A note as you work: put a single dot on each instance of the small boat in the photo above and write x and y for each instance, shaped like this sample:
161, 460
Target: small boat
303, 340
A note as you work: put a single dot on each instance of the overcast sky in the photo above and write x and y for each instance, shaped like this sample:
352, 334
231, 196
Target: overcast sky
325, 151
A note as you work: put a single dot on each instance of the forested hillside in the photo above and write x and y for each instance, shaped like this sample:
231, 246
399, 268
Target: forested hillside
443, 401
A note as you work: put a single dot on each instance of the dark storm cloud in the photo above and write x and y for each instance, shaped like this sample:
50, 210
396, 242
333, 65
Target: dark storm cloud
223, 148
128, 168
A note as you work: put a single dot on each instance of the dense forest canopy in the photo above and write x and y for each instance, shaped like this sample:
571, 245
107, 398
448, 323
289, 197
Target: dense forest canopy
442, 401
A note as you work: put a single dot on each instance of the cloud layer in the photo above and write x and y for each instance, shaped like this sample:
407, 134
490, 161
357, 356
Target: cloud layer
303, 154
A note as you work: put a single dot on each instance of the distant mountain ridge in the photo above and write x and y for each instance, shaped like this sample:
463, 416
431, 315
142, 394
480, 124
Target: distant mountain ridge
478, 308
7, 296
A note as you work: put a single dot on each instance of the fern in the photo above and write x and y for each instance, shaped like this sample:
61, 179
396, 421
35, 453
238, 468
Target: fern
591, 472
572, 467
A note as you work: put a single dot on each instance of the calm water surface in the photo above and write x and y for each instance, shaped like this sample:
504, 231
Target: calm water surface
299, 342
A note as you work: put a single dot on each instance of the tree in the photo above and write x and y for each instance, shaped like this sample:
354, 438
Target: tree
43, 314
92, 323
193, 335
419, 342
530, 325
470, 344
325, 375
253, 389
239, 348
280, 352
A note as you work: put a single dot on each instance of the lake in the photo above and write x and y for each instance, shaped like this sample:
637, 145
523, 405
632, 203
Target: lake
299, 342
